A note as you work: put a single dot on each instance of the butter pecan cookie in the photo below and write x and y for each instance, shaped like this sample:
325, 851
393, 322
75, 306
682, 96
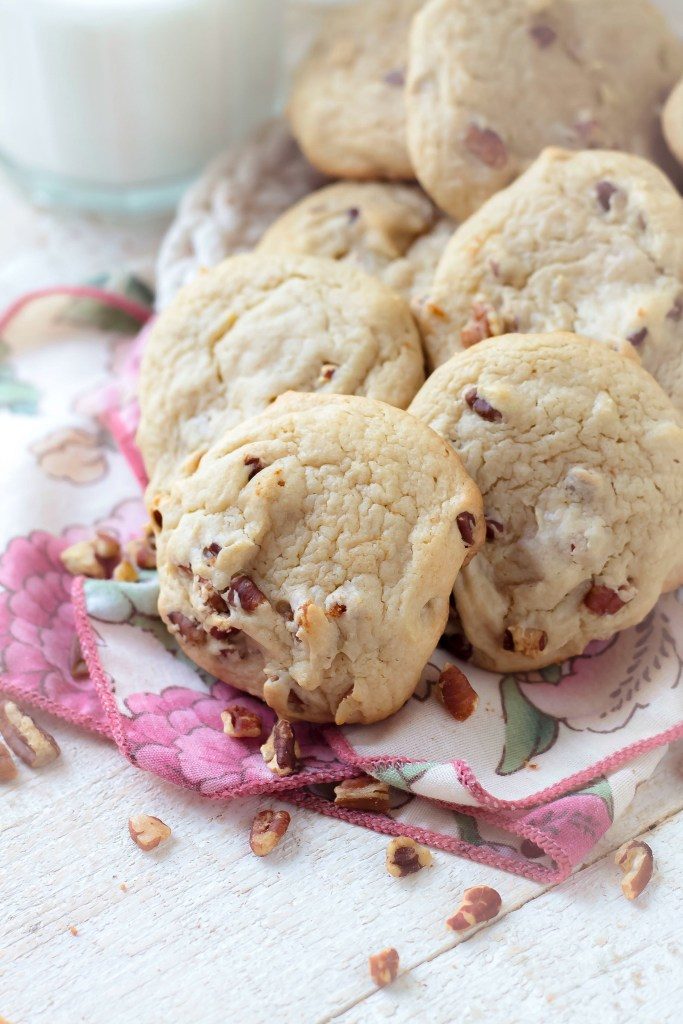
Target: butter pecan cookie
256, 326
492, 82
587, 242
309, 557
390, 230
577, 453
347, 106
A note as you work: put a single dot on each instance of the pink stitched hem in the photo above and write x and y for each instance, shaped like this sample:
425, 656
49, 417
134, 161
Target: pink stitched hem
451, 844
52, 707
120, 431
134, 309
466, 776
99, 677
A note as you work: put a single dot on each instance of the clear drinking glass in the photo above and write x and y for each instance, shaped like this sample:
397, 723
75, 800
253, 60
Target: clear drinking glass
113, 105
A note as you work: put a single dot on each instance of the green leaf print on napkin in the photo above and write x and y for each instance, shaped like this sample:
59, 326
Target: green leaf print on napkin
528, 731
401, 776
105, 318
15, 395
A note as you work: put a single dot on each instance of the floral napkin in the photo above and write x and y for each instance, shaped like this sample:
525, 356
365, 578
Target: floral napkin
530, 782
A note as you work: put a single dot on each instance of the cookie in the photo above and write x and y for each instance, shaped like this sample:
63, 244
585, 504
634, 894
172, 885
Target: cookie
390, 230
228, 208
309, 557
493, 82
347, 106
257, 326
577, 453
587, 242
672, 122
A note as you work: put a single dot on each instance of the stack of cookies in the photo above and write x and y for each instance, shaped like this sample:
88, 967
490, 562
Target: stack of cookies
454, 406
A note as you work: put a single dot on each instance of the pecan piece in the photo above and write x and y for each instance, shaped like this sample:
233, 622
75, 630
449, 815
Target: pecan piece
243, 593
396, 76
406, 857
526, 641
33, 745
125, 573
478, 327
211, 553
336, 611
479, 904
384, 967
603, 600
80, 560
605, 191
456, 693
487, 146
636, 861
8, 769
254, 465
363, 794
676, 311
466, 524
327, 371
148, 832
638, 337
241, 723
482, 407
267, 831
493, 529
143, 552
188, 629
281, 751
543, 35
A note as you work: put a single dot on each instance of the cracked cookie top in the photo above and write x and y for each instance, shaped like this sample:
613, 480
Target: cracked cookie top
347, 108
259, 325
492, 82
586, 242
310, 555
392, 231
578, 454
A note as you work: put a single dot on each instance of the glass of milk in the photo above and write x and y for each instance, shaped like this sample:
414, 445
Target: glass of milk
114, 105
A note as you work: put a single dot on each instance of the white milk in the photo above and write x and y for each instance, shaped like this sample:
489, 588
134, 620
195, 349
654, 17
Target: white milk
120, 98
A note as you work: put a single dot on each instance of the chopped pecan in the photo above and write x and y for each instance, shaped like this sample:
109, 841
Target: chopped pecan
241, 723
456, 693
8, 769
327, 371
605, 191
479, 904
125, 573
482, 407
405, 857
211, 553
80, 560
384, 967
243, 593
281, 751
466, 524
254, 465
336, 611
363, 794
493, 529
396, 76
638, 337
676, 311
543, 35
478, 327
636, 861
33, 745
213, 599
144, 554
188, 629
148, 832
524, 640
267, 831
487, 146
603, 600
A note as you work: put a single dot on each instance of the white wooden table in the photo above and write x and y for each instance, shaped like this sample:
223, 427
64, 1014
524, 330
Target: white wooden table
93, 931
